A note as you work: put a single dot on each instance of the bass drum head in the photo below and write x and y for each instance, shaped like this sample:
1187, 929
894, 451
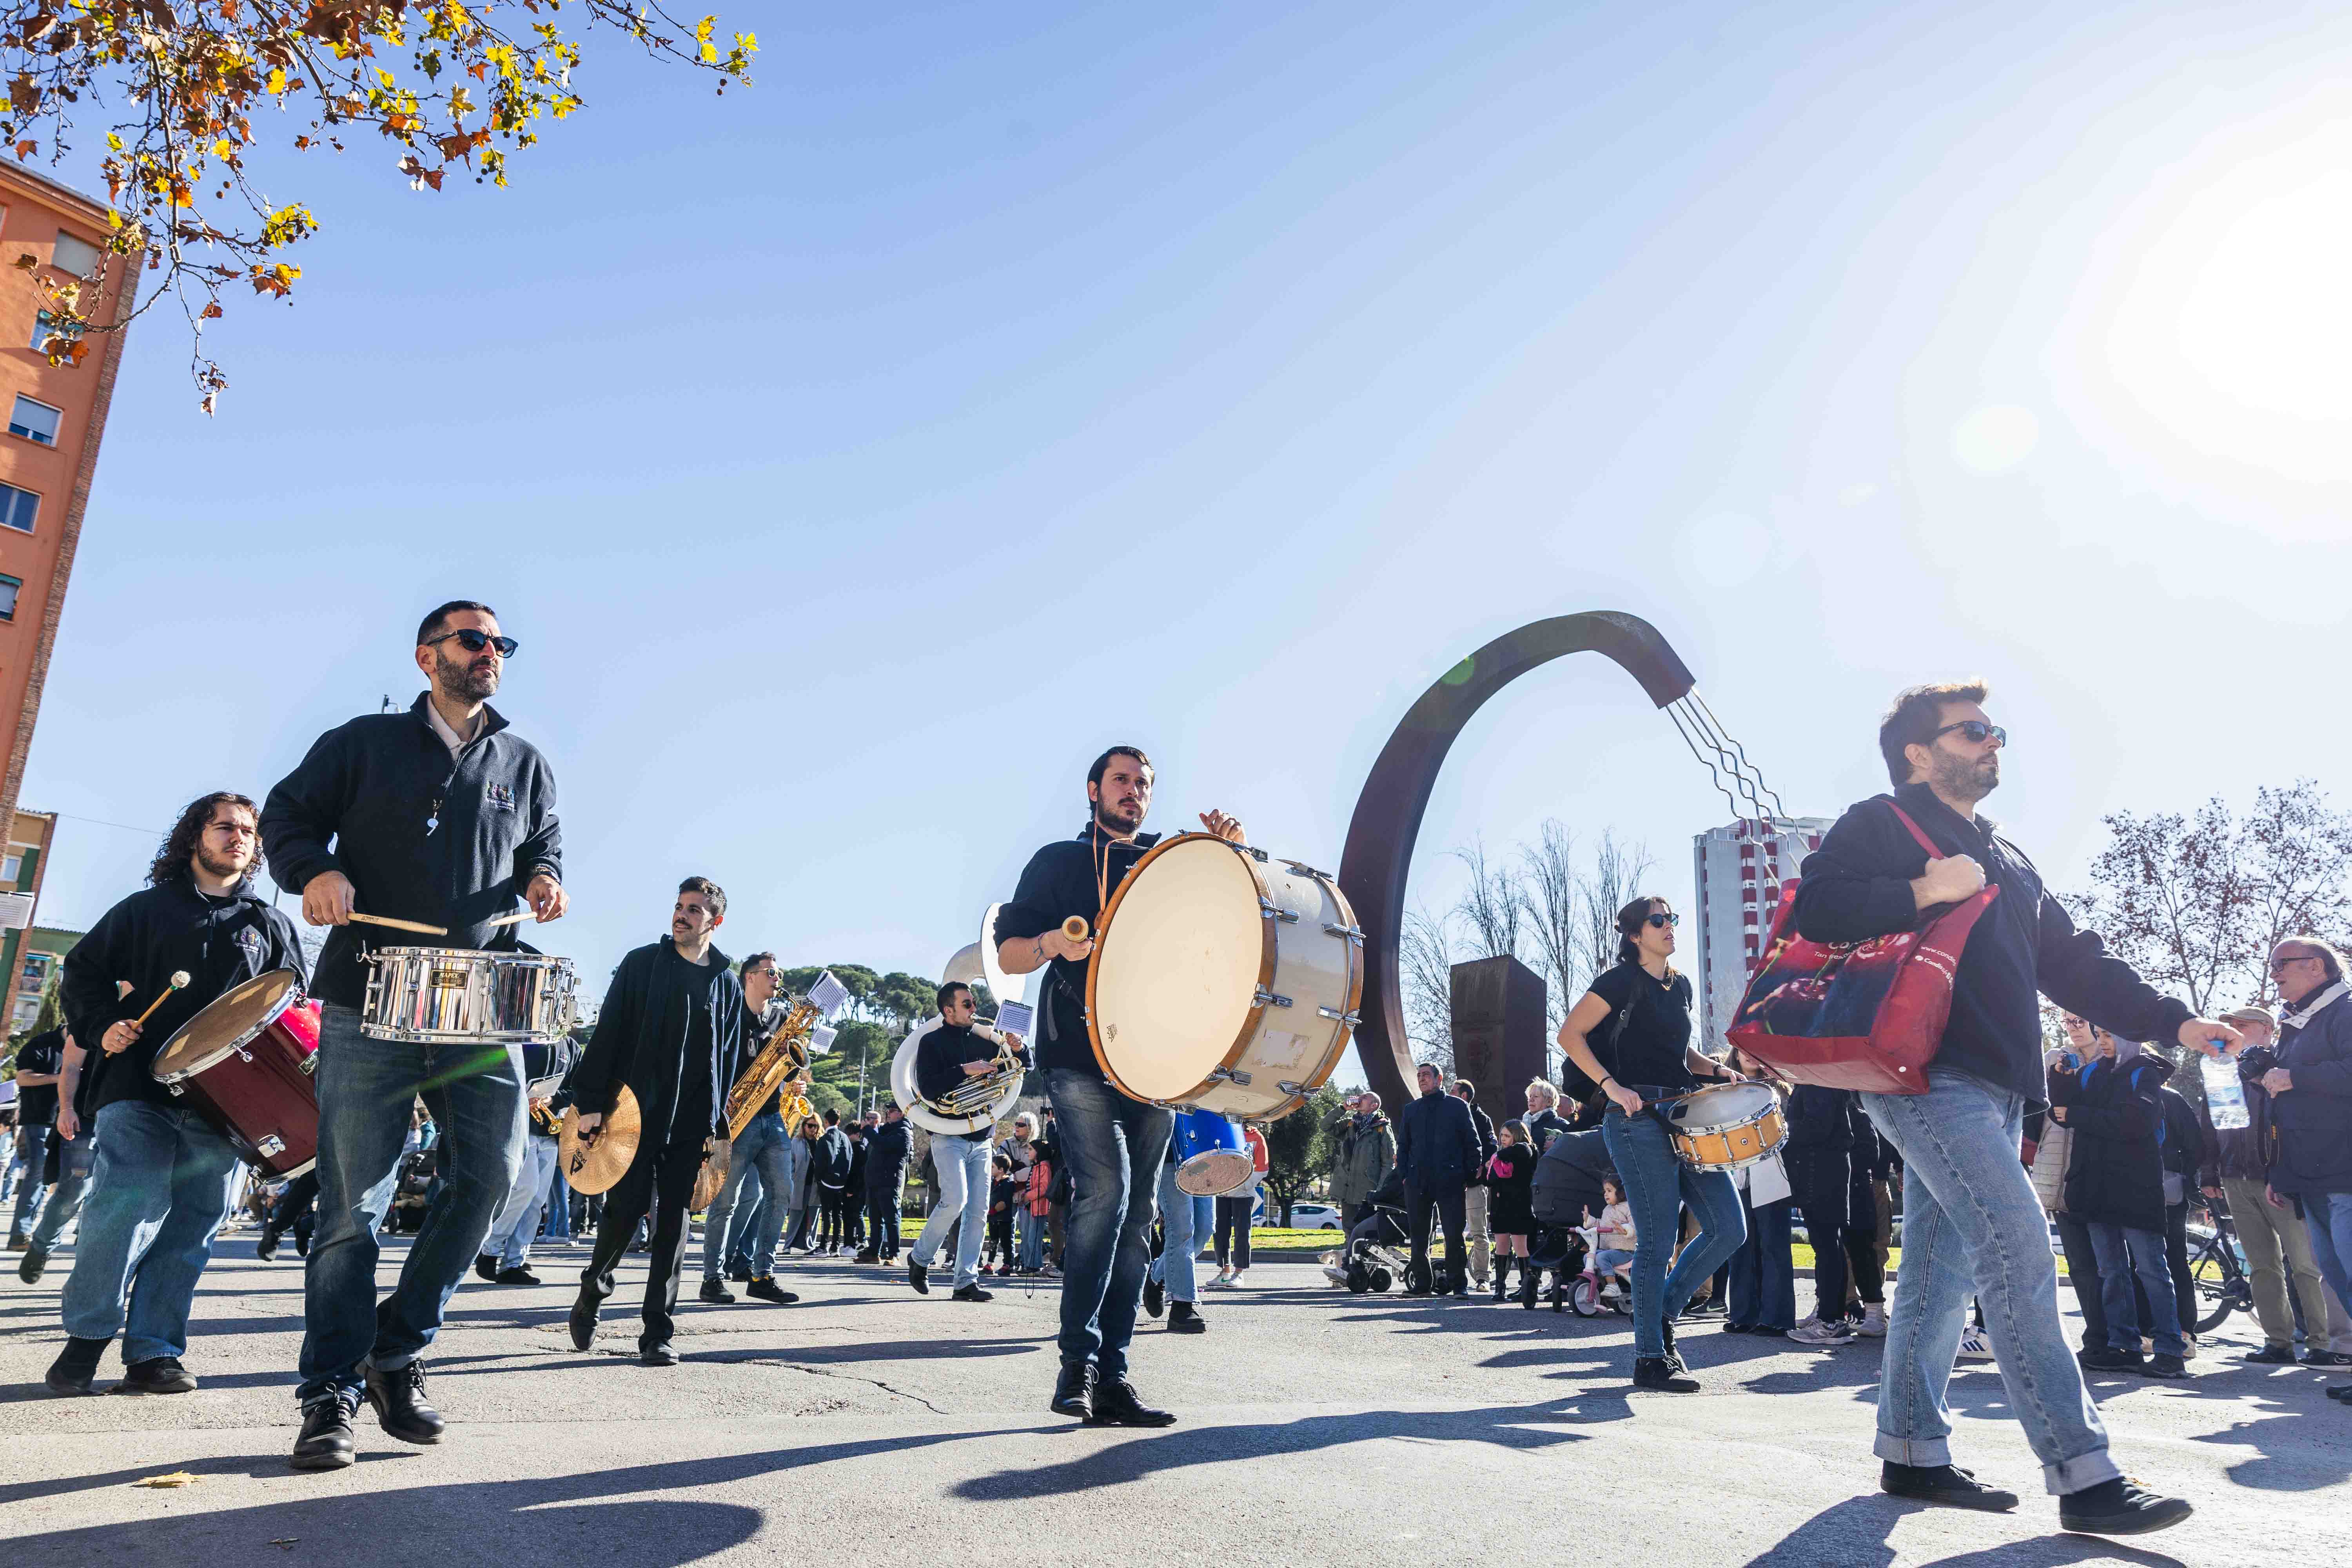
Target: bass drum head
1215, 1175
231, 1019
1174, 978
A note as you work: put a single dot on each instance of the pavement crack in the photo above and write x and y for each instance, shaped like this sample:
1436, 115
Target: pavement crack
845, 1377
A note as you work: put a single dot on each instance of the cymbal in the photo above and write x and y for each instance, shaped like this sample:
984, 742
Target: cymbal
711, 1177
595, 1169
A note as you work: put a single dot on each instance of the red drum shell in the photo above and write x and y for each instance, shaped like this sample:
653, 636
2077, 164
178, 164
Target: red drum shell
257, 1088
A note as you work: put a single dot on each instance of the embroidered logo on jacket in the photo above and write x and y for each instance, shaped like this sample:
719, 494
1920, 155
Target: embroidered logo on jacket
501, 796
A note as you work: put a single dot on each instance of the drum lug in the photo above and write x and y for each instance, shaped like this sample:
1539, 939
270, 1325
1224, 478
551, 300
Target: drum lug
175, 1088
1267, 908
1266, 998
273, 1144
1306, 871
310, 1063
1260, 856
1350, 1019
1227, 1074
1353, 933
1287, 1087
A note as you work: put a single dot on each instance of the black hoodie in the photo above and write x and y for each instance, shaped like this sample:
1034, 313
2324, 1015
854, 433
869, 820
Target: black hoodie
643, 1033
423, 836
220, 941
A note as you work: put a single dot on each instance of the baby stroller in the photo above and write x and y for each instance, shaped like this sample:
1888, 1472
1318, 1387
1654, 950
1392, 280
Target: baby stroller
1561, 1251
1592, 1293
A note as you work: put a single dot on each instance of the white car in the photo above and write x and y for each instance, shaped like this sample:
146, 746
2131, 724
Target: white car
1303, 1216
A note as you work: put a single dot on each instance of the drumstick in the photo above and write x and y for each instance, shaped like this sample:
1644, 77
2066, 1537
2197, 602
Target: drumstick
1075, 928
179, 978
515, 918
417, 926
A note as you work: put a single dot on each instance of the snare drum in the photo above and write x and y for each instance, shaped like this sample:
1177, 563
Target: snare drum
245, 1062
449, 996
1213, 1157
1726, 1126
1223, 979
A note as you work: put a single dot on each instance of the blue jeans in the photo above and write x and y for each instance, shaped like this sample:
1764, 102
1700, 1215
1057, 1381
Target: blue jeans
1971, 1225
366, 1087
1657, 1186
73, 1185
33, 1148
2121, 1253
1182, 1233
759, 1157
1114, 1146
558, 1195
159, 1189
516, 1224
1031, 1230
2329, 1217
964, 1161
1763, 1272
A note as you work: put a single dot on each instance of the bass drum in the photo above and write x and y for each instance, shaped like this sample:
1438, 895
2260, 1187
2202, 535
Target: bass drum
1224, 980
1212, 1158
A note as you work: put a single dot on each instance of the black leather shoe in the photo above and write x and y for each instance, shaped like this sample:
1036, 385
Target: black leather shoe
918, 1277
326, 1441
398, 1396
1073, 1389
29, 1266
1116, 1405
77, 1366
717, 1294
663, 1353
158, 1374
765, 1289
2326, 1358
1657, 1375
519, 1274
265, 1245
2112, 1361
2271, 1356
1946, 1485
583, 1321
1155, 1297
2164, 1366
971, 1293
2120, 1506
2342, 1391
740, 1276
487, 1266
1183, 1317
865, 1257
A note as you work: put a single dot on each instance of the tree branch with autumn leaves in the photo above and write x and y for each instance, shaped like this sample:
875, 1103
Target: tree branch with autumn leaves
456, 87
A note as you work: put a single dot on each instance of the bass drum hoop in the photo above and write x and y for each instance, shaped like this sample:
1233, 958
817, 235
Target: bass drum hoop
1269, 956
213, 1058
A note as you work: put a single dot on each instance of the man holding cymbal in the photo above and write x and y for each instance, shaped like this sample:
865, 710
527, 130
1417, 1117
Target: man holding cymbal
671, 1030
440, 817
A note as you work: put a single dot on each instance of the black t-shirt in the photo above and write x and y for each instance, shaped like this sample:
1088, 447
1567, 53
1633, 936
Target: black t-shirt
37, 1103
1650, 1047
1059, 881
694, 1107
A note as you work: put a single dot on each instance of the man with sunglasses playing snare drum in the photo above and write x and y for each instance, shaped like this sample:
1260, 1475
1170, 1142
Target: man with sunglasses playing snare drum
1968, 1198
441, 815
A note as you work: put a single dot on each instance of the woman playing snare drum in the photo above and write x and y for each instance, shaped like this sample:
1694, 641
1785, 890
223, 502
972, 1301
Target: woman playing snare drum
1632, 1033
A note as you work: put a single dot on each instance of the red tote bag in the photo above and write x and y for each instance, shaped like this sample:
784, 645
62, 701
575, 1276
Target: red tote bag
1856, 1015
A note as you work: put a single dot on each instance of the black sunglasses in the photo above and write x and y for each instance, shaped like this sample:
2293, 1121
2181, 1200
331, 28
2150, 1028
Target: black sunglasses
1662, 921
1975, 731
2278, 966
473, 641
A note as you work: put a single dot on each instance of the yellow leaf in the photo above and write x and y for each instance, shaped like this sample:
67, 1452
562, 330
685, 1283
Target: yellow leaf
277, 80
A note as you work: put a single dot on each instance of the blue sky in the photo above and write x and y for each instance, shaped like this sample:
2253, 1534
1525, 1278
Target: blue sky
857, 454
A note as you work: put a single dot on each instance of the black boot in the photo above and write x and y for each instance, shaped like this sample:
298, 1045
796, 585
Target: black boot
1673, 1357
265, 1245
77, 1366
1502, 1280
326, 1441
1114, 1404
1658, 1375
583, 1320
1073, 1389
398, 1396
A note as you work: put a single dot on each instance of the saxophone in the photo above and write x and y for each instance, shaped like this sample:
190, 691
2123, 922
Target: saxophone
783, 1063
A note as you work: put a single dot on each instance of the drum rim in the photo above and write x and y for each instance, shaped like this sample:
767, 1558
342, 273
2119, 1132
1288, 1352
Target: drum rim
213, 1059
1267, 955
534, 960
1698, 1129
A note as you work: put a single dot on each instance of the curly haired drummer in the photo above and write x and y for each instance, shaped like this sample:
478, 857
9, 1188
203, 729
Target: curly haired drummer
164, 1174
441, 816
1115, 1144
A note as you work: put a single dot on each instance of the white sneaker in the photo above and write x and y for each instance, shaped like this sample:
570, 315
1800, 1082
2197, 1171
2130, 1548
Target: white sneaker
1874, 1321
1813, 1331
1974, 1346
1242, 1273
1225, 1277
1334, 1274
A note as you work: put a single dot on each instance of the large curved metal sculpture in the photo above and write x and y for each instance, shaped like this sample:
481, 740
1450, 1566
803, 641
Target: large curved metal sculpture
1381, 835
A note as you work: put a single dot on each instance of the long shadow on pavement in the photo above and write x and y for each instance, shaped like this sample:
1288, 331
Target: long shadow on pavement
1853, 1534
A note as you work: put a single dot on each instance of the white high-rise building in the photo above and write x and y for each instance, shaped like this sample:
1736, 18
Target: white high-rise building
1738, 870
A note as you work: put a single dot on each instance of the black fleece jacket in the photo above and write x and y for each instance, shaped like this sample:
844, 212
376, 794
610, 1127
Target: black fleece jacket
641, 1039
423, 836
220, 941
886, 1154
1857, 886
1059, 882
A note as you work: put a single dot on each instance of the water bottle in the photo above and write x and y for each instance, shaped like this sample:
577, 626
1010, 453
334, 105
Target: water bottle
2225, 1097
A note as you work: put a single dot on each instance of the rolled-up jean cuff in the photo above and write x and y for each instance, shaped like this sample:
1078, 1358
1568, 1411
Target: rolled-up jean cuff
1924, 1452
2082, 1471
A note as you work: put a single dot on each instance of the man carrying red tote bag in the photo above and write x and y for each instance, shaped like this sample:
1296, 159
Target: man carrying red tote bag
1971, 1224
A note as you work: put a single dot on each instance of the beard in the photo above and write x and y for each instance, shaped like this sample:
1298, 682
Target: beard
1119, 819
1966, 778
222, 869
463, 680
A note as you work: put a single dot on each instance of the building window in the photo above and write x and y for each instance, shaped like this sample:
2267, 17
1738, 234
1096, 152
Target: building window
45, 326
9, 588
76, 255
9, 866
35, 421
18, 507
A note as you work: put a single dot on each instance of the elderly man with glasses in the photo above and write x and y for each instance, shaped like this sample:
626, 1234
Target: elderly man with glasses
2311, 1106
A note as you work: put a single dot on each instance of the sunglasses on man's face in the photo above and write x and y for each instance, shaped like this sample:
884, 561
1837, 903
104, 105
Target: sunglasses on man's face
473, 641
1975, 731
2278, 966
1662, 921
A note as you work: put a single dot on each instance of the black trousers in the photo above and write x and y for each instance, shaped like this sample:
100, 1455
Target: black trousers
1233, 1229
1446, 1202
293, 1205
2083, 1273
832, 1211
882, 1212
666, 1174
1866, 1274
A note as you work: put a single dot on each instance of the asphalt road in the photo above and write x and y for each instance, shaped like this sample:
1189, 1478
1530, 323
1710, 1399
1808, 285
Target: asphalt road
869, 1425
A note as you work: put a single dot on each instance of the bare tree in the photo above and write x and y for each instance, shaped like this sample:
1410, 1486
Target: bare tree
2175, 899
2297, 851
1547, 884
1611, 884
1425, 955
1491, 904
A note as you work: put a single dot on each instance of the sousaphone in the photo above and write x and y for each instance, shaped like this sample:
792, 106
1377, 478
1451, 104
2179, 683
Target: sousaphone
977, 1103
